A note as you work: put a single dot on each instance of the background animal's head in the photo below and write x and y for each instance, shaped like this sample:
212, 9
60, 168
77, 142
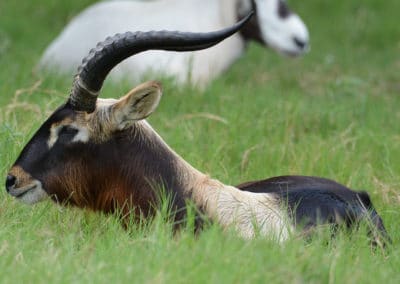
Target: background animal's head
82, 144
276, 26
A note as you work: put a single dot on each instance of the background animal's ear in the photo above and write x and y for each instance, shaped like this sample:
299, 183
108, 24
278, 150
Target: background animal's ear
138, 104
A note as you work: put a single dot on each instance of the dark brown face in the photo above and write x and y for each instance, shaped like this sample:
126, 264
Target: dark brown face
51, 148
67, 152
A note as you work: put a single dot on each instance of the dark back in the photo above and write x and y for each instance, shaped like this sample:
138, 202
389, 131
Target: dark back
314, 200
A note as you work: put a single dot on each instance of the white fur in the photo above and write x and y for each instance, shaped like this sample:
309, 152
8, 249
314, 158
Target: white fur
104, 103
34, 194
279, 33
108, 18
82, 135
251, 214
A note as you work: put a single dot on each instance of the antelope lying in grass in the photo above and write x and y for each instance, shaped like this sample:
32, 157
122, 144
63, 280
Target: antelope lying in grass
273, 25
102, 154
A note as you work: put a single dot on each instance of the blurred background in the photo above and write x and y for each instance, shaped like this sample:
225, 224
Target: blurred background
334, 113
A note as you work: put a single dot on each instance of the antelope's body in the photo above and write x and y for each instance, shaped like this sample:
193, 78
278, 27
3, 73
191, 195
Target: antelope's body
102, 154
274, 25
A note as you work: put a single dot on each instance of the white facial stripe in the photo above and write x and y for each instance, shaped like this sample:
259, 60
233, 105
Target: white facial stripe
81, 136
53, 136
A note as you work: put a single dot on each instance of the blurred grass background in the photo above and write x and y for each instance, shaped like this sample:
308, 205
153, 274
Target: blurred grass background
333, 113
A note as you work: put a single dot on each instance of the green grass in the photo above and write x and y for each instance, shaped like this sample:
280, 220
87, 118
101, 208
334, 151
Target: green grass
333, 113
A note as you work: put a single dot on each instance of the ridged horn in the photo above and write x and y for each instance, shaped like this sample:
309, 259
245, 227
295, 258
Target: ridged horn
109, 53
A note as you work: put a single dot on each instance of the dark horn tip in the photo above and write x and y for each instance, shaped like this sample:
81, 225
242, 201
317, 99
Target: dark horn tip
247, 18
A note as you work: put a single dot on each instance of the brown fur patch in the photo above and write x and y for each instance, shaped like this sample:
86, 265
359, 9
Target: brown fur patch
103, 189
23, 178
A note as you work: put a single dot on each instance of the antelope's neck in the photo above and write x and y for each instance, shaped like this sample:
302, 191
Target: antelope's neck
179, 177
152, 162
248, 212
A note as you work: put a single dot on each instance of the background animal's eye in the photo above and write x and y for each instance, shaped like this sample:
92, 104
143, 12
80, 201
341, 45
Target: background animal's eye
66, 134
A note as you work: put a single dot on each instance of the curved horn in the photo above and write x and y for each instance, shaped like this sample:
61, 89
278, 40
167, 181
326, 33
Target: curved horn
109, 53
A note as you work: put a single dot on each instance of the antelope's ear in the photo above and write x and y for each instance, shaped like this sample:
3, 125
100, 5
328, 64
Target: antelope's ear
138, 104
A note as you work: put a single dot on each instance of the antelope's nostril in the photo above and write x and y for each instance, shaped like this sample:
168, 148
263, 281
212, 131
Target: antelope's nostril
10, 182
300, 43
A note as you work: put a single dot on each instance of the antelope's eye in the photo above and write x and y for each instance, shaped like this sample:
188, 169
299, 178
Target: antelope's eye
66, 134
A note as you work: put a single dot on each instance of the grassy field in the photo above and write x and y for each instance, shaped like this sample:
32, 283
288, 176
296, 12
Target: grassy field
333, 113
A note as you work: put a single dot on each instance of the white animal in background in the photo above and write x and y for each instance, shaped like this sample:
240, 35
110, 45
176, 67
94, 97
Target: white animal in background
274, 25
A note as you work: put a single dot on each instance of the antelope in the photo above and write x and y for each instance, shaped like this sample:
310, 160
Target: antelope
102, 155
274, 25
